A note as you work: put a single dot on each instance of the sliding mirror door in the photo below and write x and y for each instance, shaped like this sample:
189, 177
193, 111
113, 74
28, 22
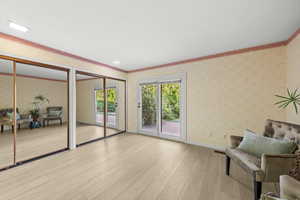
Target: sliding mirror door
6, 114
115, 106
42, 110
89, 107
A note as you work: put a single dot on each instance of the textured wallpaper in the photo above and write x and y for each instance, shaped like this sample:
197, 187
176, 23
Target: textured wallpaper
293, 74
224, 95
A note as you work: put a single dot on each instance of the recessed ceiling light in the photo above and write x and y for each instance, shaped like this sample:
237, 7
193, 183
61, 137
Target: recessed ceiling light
18, 27
116, 62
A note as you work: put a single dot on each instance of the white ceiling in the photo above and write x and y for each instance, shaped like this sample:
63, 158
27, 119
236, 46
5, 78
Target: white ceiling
142, 33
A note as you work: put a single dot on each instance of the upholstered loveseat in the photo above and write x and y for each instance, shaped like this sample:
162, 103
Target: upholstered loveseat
289, 190
5, 120
269, 167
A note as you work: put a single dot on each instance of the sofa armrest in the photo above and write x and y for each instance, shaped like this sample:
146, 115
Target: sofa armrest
235, 141
274, 166
270, 196
289, 187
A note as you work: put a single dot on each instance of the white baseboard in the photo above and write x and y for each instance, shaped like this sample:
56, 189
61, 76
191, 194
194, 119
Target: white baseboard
213, 147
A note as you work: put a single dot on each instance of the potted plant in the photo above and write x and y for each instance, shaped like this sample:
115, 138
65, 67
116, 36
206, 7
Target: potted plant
37, 103
292, 98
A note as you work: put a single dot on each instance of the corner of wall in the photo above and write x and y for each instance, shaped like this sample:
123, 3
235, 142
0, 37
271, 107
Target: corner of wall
293, 72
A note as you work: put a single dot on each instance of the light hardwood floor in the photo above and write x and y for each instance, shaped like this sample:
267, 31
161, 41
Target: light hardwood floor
127, 167
35, 142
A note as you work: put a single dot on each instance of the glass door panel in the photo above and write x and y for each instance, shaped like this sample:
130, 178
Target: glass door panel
99, 101
170, 109
6, 114
148, 105
112, 105
160, 109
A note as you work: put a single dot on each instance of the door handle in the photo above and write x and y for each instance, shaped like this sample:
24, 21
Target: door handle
139, 105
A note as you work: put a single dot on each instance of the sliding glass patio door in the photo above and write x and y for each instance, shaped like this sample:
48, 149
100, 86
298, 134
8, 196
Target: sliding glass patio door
161, 107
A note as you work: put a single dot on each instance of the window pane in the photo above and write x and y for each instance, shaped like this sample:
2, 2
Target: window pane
149, 107
170, 93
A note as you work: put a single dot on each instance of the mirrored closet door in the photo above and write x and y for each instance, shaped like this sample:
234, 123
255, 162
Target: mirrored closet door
42, 110
7, 136
90, 104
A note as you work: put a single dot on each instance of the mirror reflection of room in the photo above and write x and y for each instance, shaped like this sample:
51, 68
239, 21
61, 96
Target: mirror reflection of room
42, 110
115, 96
6, 114
89, 108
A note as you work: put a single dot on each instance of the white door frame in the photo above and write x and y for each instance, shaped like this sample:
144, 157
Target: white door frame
157, 80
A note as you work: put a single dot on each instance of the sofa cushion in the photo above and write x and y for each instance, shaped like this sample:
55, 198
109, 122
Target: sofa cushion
54, 113
270, 197
283, 131
257, 145
10, 115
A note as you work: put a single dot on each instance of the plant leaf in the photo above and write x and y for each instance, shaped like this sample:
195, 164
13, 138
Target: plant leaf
279, 102
282, 97
296, 107
288, 91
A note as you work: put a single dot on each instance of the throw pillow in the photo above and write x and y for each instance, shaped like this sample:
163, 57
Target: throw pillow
257, 145
54, 113
10, 115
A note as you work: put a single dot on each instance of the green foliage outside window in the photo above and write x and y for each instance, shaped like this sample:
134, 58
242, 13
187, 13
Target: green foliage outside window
111, 100
149, 104
170, 102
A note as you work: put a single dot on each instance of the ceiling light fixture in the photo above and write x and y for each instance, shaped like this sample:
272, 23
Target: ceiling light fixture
116, 62
18, 27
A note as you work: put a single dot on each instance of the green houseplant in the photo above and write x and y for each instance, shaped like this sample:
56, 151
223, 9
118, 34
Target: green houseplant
292, 98
37, 103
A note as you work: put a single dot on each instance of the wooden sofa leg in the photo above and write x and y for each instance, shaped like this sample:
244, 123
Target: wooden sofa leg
257, 189
227, 165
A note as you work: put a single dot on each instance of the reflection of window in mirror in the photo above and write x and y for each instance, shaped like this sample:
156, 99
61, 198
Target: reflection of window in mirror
89, 108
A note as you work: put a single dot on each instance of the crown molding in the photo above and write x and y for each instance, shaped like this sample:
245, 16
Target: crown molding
227, 53
217, 55
33, 77
57, 51
293, 36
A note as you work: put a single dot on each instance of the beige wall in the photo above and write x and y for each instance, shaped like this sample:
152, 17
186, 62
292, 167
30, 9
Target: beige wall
293, 73
85, 102
224, 95
28, 88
